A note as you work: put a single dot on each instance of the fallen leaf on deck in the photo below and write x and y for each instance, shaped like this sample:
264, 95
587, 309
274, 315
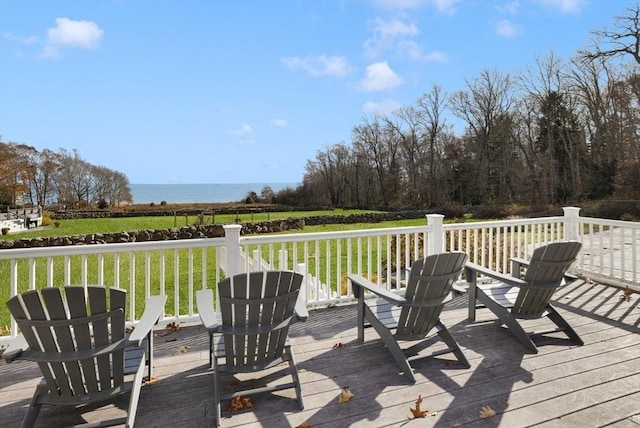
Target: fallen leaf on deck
418, 412
181, 350
345, 396
173, 339
487, 412
240, 403
305, 424
339, 345
458, 425
626, 294
172, 327
153, 379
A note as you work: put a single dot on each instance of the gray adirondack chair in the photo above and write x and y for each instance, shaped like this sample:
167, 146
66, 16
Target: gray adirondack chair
513, 297
82, 348
250, 334
415, 315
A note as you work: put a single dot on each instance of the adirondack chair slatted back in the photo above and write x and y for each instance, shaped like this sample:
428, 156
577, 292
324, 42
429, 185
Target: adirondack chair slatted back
59, 326
430, 282
256, 311
545, 273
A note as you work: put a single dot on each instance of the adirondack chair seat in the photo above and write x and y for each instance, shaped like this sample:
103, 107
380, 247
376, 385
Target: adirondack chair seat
412, 315
250, 333
83, 358
512, 297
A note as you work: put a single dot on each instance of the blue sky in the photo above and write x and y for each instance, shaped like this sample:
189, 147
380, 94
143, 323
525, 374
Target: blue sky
197, 91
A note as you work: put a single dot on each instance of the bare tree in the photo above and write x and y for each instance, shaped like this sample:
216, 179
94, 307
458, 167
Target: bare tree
486, 107
623, 40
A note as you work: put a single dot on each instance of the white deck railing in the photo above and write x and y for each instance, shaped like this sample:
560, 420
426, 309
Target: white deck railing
178, 268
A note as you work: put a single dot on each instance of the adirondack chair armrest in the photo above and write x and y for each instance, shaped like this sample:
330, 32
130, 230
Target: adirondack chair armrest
358, 283
301, 308
152, 312
204, 302
473, 269
15, 349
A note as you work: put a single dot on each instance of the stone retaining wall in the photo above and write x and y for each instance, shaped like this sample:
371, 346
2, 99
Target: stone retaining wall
207, 231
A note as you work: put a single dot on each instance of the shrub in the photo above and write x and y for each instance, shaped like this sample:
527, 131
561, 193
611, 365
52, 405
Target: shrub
163, 203
102, 204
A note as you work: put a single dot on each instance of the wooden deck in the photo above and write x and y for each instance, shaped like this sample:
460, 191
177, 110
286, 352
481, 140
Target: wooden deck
563, 385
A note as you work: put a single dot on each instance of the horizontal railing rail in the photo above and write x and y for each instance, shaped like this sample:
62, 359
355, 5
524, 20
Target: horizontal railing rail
177, 268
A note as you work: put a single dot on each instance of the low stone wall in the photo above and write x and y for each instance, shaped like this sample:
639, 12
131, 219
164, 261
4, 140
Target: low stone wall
208, 231
186, 232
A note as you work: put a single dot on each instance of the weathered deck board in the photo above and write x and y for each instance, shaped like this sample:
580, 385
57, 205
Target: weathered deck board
594, 385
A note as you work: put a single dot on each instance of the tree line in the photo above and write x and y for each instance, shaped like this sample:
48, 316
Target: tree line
555, 132
44, 177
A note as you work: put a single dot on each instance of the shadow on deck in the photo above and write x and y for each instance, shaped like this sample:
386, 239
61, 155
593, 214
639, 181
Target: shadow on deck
563, 385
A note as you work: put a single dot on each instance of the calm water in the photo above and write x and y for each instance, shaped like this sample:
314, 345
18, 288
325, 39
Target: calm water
188, 193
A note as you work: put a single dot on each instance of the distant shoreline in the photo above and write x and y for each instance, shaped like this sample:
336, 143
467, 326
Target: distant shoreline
182, 193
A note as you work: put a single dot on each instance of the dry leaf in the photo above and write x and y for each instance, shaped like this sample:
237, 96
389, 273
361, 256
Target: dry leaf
153, 379
172, 327
305, 424
457, 425
345, 396
181, 350
339, 345
487, 412
417, 412
240, 403
626, 294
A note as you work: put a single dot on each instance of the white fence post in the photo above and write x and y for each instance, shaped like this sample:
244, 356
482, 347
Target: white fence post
232, 244
435, 236
301, 268
571, 226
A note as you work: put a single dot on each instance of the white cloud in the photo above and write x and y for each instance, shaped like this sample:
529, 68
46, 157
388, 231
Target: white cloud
379, 76
279, 123
509, 8
20, 39
447, 7
397, 4
437, 56
320, 65
384, 108
71, 34
506, 28
273, 166
414, 51
243, 130
565, 6
246, 142
385, 34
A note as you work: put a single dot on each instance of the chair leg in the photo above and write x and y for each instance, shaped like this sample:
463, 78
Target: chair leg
360, 320
135, 394
391, 344
295, 376
33, 410
508, 319
216, 392
444, 334
563, 325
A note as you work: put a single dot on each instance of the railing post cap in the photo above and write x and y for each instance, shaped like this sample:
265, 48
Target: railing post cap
232, 226
571, 211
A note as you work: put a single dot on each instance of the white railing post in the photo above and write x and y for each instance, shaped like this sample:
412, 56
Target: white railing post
435, 237
571, 226
301, 268
232, 244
